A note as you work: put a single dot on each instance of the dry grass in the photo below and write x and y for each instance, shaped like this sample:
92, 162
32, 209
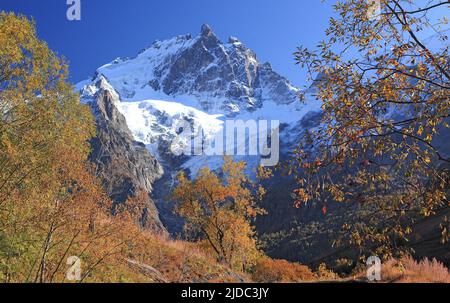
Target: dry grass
273, 271
425, 271
408, 270
178, 261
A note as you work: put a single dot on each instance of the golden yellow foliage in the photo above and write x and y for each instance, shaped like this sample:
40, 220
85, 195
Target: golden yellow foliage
220, 212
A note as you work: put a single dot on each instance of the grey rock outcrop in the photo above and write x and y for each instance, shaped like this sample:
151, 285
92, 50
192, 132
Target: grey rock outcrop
230, 71
125, 166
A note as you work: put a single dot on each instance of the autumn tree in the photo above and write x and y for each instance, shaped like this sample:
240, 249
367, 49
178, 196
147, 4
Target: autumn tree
383, 78
219, 210
51, 205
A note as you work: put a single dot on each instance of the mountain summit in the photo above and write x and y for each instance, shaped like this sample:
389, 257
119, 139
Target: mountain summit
216, 77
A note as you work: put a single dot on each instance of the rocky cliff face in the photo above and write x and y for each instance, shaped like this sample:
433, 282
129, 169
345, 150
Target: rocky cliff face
230, 71
125, 166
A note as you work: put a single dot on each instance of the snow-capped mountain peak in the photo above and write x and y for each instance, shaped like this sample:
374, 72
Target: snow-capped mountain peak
216, 77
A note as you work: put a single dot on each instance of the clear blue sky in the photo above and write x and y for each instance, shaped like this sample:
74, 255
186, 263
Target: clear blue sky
120, 28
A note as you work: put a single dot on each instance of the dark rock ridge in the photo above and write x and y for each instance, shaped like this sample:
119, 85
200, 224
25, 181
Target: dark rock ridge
230, 71
125, 166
